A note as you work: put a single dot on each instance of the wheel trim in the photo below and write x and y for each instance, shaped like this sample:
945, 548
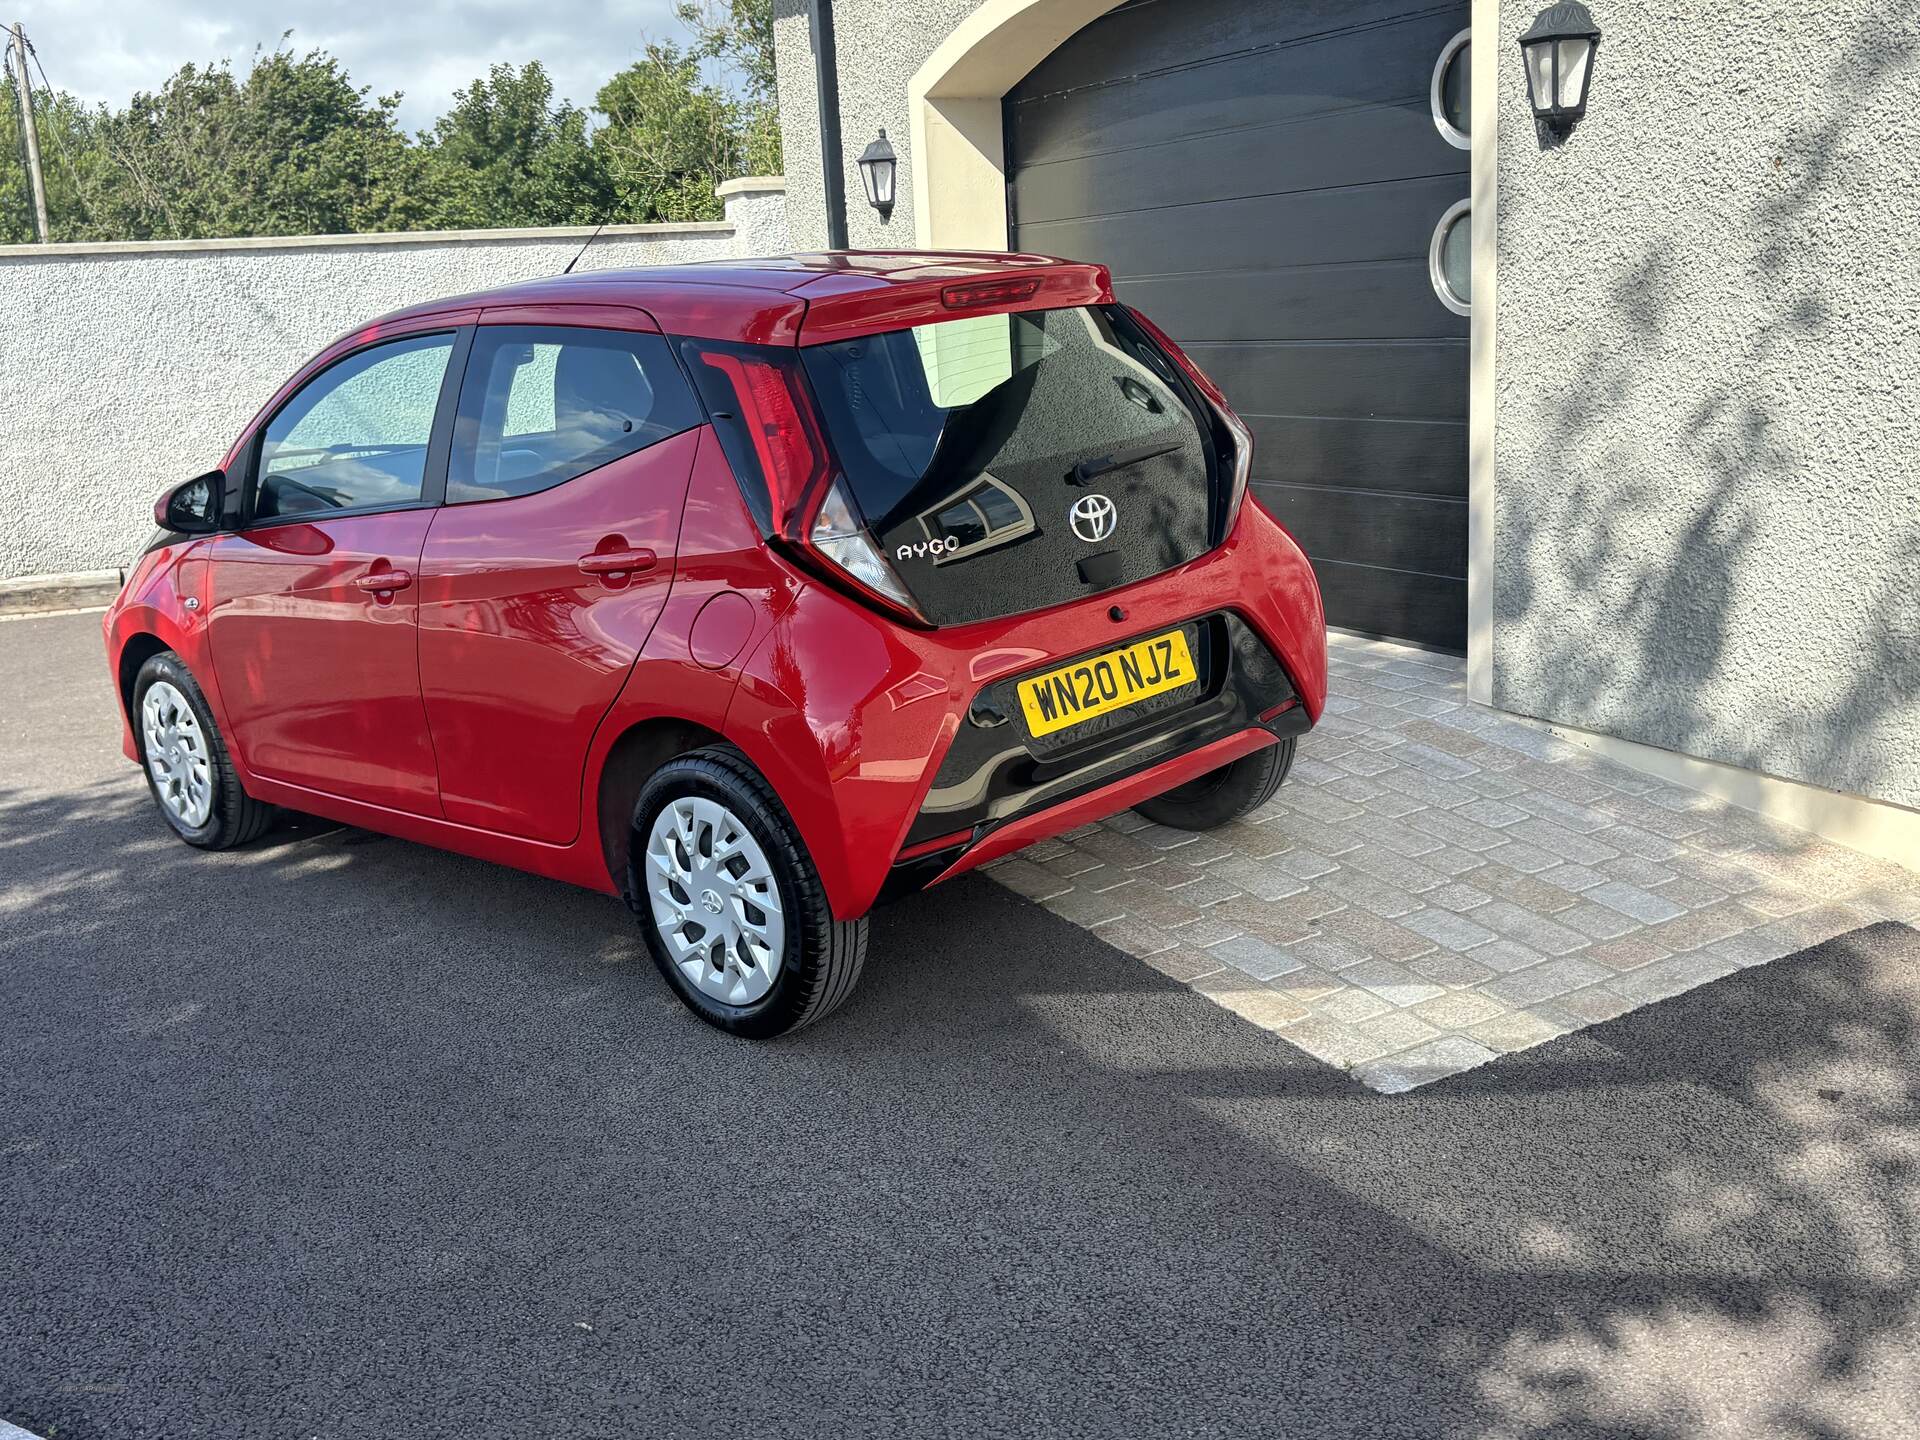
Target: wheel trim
178, 758
715, 901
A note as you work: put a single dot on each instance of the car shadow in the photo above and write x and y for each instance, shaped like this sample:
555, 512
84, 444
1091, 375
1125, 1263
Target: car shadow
346, 1135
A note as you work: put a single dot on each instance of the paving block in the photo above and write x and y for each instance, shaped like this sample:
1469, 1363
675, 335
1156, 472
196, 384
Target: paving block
1515, 1030
1448, 930
1635, 903
1534, 931
1255, 956
1332, 1042
1542, 982
1381, 938
1423, 1064
1595, 920
1349, 1007
1506, 956
1184, 963
1393, 983
1397, 1030
1458, 1009
1446, 967
1666, 978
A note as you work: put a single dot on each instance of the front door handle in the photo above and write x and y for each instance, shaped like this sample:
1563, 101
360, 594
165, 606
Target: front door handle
618, 562
385, 580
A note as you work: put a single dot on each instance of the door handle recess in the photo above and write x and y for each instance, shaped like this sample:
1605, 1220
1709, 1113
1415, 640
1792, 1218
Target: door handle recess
618, 562
381, 580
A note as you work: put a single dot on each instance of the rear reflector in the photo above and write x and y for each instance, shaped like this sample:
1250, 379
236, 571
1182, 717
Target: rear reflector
989, 292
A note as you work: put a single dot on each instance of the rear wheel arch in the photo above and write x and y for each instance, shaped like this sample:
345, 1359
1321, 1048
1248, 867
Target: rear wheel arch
641, 749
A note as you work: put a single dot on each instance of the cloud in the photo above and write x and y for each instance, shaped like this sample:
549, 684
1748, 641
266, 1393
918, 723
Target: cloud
105, 50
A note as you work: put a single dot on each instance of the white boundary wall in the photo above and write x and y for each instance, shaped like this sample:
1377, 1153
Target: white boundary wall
126, 367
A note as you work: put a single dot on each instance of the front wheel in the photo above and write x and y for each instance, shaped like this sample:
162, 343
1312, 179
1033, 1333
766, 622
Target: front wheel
732, 908
189, 771
1225, 794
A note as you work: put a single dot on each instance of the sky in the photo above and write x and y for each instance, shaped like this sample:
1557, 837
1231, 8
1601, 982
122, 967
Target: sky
105, 50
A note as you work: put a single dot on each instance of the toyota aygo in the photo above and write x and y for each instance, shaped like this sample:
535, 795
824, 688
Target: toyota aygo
755, 593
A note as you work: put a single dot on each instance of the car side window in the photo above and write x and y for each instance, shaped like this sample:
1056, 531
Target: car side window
356, 435
542, 405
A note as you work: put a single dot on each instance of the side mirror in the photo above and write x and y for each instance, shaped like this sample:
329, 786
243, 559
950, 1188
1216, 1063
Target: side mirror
193, 506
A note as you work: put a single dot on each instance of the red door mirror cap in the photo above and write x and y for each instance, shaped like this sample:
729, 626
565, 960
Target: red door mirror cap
847, 307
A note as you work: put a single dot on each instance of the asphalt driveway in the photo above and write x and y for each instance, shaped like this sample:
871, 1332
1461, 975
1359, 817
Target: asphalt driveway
338, 1137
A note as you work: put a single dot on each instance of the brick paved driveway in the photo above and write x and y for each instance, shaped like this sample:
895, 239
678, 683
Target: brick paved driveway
1438, 884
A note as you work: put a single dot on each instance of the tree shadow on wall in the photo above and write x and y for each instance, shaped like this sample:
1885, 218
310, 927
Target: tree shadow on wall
1676, 626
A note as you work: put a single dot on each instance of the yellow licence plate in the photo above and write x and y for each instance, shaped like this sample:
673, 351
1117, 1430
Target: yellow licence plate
1104, 683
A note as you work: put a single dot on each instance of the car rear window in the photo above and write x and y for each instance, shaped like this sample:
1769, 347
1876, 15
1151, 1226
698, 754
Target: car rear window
966, 443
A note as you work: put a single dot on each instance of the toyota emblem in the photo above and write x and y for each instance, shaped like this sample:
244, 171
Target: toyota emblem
1093, 518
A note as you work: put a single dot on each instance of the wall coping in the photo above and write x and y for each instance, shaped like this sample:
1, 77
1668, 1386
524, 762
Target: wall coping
13, 253
752, 185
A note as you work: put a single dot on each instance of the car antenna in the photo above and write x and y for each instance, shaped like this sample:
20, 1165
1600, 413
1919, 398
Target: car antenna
583, 249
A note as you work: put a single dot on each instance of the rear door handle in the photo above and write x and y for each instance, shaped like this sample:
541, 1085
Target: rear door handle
385, 580
618, 562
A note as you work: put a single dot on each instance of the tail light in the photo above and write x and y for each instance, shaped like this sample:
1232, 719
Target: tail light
1239, 436
761, 409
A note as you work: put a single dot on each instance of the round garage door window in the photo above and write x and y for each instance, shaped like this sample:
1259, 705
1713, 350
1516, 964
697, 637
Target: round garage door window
1450, 93
1450, 258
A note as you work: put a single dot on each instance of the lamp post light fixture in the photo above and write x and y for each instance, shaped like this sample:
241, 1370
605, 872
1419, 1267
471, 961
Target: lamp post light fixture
877, 166
1558, 49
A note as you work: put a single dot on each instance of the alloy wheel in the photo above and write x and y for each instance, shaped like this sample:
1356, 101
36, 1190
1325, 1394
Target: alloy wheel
715, 900
177, 756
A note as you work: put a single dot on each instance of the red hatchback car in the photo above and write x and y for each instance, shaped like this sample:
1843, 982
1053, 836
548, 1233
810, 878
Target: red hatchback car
756, 593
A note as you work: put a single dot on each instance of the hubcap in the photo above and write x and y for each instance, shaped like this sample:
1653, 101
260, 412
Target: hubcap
177, 755
715, 901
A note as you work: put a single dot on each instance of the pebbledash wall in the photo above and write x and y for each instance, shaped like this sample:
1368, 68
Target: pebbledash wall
1695, 522
1707, 401
127, 367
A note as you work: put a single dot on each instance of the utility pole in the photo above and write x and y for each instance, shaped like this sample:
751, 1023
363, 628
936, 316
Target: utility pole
30, 130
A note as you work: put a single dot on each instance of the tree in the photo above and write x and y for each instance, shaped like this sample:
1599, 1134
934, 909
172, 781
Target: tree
739, 34
669, 138
506, 155
293, 149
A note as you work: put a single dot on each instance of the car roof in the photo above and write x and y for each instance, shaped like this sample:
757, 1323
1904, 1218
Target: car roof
803, 298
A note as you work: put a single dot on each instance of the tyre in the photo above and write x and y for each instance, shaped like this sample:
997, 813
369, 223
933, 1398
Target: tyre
1224, 794
189, 771
732, 908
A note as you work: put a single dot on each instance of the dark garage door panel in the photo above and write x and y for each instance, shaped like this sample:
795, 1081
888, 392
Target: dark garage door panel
1263, 178
1403, 604
1404, 380
1339, 66
1369, 527
1369, 146
1366, 301
1388, 221
1411, 457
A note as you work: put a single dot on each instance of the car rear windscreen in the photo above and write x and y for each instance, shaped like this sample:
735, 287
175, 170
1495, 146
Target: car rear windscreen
1011, 462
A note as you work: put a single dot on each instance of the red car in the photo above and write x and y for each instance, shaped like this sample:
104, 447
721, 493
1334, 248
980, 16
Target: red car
756, 593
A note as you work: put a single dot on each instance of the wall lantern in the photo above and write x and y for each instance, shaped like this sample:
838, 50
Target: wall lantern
877, 164
1558, 48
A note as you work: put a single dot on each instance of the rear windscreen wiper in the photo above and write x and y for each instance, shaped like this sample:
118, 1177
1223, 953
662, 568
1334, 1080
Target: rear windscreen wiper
1087, 471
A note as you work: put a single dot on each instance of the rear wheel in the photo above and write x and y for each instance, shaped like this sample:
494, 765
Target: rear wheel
732, 908
189, 772
1225, 794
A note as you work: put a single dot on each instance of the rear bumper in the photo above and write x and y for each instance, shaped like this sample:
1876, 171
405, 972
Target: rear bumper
868, 730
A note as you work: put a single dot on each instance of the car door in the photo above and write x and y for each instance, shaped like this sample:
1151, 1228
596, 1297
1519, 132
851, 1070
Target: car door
549, 563
313, 600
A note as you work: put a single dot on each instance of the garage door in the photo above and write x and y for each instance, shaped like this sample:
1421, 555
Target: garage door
1269, 180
